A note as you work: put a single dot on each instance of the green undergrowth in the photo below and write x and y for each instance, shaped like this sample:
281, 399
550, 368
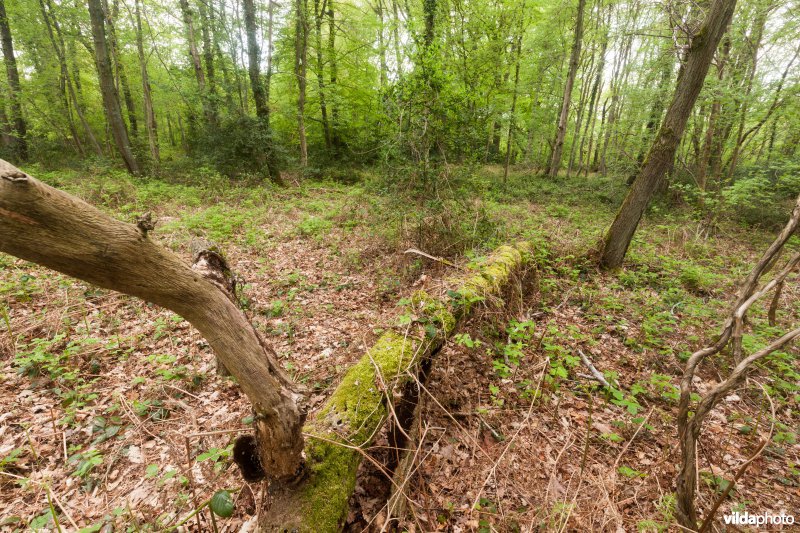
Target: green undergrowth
666, 302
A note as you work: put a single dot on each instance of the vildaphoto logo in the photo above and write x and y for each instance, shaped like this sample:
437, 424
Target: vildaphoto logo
747, 519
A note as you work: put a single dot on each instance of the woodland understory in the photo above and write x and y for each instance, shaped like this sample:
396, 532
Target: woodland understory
115, 415
399, 265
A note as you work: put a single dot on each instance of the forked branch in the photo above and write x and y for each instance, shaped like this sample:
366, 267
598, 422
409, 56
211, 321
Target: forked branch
750, 292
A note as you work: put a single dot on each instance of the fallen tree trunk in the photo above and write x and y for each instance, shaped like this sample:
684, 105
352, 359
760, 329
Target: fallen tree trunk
364, 399
52, 228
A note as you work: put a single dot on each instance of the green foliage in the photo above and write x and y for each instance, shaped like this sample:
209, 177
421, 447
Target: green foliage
240, 145
219, 457
85, 462
221, 504
630, 472
313, 226
9, 461
762, 197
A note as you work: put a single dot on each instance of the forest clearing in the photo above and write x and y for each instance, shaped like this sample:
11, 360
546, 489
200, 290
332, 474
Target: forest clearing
399, 266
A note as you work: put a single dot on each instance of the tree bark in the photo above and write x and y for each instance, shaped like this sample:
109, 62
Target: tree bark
270, 48
52, 228
119, 67
319, 10
20, 141
149, 112
336, 139
54, 30
107, 88
712, 132
197, 65
656, 109
254, 59
574, 59
513, 110
5, 127
662, 153
208, 55
593, 100
65, 84
300, 68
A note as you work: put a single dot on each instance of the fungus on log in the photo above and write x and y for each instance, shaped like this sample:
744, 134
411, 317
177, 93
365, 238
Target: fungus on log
358, 407
47, 226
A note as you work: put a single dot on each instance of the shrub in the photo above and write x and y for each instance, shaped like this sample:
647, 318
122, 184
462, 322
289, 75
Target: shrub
241, 145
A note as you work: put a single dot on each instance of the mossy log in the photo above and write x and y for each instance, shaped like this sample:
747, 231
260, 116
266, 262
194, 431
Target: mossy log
359, 406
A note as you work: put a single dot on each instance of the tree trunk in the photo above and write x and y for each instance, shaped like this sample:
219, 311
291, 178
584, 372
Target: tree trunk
5, 127
662, 154
351, 417
254, 71
588, 71
57, 38
208, 55
197, 65
49, 227
712, 132
149, 113
300, 68
122, 77
574, 59
319, 11
334, 70
614, 107
254, 60
107, 88
227, 83
384, 76
398, 56
513, 111
270, 48
65, 85
594, 98
656, 109
20, 141
743, 137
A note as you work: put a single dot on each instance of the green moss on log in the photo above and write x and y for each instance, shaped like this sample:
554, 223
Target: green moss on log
332, 478
356, 407
434, 310
494, 274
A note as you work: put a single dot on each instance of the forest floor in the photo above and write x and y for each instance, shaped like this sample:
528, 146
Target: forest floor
115, 419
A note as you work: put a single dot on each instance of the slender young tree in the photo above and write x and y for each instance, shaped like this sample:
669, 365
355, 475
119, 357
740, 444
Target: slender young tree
574, 59
64, 81
662, 153
259, 94
319, 10
119, 66
300, 69
254, 60
20, 127
70, 78
108, 89
197, 64
513, 110
149, 112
